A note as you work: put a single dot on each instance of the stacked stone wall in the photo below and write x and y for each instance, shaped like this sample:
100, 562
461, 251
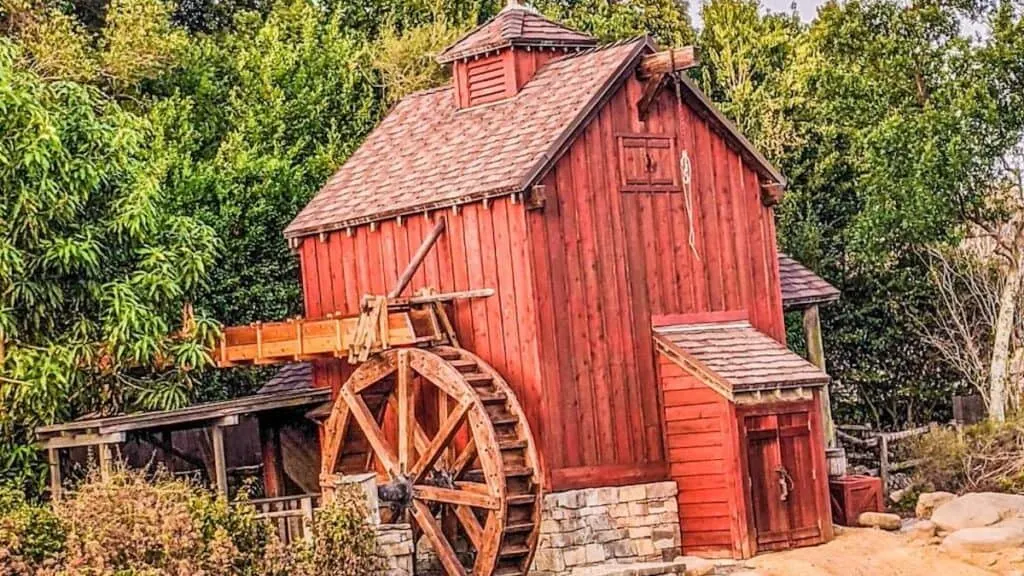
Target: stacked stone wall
583, 529
394, 545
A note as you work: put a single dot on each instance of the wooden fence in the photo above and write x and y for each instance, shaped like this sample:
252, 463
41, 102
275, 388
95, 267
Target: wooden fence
291, 515
874, 450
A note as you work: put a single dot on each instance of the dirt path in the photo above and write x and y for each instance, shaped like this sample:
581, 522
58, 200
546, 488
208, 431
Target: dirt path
863, 552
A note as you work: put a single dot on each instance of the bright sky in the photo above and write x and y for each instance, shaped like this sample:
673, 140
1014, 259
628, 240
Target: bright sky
806, 8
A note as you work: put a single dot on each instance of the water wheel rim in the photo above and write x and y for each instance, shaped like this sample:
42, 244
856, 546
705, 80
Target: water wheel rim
399, 464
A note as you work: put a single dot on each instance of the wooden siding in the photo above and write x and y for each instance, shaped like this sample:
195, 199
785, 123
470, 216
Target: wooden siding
703, 460
607, 261
481, 248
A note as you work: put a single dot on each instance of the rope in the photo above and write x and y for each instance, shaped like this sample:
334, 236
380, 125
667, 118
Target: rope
686, 171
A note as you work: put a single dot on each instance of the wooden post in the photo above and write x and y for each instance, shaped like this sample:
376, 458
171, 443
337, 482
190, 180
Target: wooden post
219, 464
105, 461
417, 259
816, 355
307, 519
53, 458
273, 464
883, 463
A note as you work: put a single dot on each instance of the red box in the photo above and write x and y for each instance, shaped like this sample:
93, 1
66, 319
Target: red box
851, 495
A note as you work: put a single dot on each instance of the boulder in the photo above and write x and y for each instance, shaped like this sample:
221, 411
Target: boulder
927, 502
969, 541
977, 510
880, 520
921, 530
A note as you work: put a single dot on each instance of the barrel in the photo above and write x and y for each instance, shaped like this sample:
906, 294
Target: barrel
835, 458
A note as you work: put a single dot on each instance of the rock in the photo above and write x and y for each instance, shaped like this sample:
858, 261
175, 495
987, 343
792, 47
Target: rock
977, 510
896, 496
696, 566
880, 520
927, 502
922, 530
968, 541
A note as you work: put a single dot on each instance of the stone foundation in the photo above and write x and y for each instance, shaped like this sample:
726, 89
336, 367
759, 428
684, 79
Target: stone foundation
394, 545
583, 529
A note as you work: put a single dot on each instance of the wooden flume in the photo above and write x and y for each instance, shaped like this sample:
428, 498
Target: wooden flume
446, 436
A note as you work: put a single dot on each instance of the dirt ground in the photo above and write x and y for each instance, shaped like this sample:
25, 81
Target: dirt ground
864, 552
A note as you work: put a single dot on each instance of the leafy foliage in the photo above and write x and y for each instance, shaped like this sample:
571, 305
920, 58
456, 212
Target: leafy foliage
985, 457
94, 264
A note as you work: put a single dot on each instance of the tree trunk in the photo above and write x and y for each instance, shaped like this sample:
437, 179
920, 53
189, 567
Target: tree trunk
999, 367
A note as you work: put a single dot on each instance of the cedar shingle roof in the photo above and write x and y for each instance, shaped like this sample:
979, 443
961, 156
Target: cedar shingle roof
737, 356
801, 287
428, 154
515, 26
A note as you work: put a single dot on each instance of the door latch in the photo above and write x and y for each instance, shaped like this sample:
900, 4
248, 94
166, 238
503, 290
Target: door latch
785, 483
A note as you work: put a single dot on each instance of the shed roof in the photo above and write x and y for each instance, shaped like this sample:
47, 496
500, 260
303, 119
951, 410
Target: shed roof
736, 357
801, 287
112, 428
290, 377
515, 25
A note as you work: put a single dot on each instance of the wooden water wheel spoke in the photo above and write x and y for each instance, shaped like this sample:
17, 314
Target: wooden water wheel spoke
368, 423
432, 530
464, 458
456, 497
474, 531
443, 438
406, 413
467, 473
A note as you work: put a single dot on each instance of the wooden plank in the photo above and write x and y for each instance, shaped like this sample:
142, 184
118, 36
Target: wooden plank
487, 250
739, 218
705, 191
583, 195
56, 482
631, 446
311, 283
731, 292
323, 275
600, 145
368, 424
471, 498
428, 524
508, 289
406, 413
417, 259
481, 344
668, 61
79, 440
219, 465
609, 475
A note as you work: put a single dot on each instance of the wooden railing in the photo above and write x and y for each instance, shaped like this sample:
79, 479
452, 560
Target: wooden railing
874, 450
292, 516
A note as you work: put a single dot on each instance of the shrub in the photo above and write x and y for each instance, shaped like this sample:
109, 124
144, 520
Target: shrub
344, 543
31, 536
984, 457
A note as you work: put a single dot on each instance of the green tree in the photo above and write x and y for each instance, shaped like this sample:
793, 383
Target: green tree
95, 265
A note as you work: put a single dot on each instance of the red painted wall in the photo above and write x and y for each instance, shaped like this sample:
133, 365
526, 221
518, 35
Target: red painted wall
703, 453
607, 260
578, 282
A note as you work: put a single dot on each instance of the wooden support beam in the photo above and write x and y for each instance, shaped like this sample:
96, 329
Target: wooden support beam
79, 440
668, 61
816, 355
166, 444
417, 258
273, 461
219, 464
651, 87
56, 484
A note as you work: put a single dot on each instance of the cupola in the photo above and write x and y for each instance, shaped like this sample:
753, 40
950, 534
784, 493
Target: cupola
498, 58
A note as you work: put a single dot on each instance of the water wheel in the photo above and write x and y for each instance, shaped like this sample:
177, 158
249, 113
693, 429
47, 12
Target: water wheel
453, 453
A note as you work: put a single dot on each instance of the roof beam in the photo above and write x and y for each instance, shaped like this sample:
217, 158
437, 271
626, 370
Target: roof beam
668, 61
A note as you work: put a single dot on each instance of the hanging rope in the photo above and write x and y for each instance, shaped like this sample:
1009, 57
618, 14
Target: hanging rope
686, 171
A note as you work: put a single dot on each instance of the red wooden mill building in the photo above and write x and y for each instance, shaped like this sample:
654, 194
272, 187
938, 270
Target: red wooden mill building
608, 242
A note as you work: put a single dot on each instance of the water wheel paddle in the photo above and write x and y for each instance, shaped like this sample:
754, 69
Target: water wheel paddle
453, 452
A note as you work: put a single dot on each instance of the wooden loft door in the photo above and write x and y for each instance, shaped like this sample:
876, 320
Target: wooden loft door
782, 480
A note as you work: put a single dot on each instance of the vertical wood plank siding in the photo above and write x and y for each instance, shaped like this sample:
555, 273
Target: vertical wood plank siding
606, 261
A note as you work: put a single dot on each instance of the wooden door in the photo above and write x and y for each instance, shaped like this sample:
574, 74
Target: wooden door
782, 480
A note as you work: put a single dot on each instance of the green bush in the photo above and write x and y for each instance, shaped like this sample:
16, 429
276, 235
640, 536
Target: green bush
344, 544
128, 526
31, 536
984, 457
